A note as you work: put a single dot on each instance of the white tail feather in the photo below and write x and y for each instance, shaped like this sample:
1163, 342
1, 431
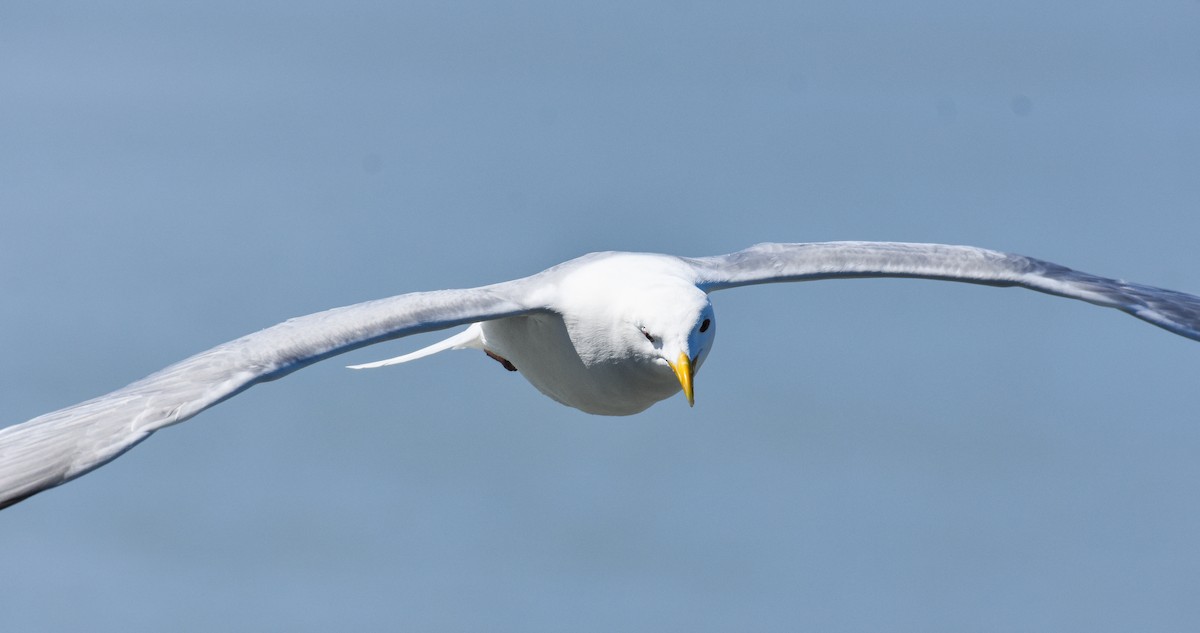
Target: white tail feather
470, 338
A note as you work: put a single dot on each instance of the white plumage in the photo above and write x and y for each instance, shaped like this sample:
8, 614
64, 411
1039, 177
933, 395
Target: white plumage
607, 333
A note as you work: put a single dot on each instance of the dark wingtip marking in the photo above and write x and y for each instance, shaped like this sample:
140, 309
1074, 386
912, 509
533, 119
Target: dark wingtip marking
15, 500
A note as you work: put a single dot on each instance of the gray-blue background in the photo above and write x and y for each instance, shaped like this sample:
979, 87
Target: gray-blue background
863, 455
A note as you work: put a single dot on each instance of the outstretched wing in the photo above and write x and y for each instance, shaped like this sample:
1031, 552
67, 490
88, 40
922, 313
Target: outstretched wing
767, 263
57, 447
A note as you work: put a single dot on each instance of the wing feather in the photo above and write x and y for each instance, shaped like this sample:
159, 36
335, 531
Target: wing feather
1177, 312
57, 447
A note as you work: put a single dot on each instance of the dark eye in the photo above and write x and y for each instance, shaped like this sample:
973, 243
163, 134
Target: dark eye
704, 325
647, 335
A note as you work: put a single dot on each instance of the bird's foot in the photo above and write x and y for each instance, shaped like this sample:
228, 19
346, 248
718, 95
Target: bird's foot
500, 359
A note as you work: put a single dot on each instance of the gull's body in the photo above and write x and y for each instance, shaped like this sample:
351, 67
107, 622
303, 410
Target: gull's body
607, 333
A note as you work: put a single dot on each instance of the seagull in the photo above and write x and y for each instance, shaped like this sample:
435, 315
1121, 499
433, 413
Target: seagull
607, 333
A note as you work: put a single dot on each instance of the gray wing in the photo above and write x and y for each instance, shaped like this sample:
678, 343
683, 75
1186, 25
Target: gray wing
57, 447
767, 263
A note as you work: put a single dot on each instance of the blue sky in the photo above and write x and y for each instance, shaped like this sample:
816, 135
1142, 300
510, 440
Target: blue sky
863, 455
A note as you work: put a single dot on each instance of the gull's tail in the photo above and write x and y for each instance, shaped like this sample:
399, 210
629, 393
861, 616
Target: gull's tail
470, 338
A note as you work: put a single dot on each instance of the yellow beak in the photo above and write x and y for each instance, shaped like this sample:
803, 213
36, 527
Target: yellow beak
684, 372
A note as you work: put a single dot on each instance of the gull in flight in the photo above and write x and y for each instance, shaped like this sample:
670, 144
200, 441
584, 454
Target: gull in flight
607, 333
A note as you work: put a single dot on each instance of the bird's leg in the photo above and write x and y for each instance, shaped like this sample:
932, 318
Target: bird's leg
500, 359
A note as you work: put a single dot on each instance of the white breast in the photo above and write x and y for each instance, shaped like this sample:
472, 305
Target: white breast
544, 350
